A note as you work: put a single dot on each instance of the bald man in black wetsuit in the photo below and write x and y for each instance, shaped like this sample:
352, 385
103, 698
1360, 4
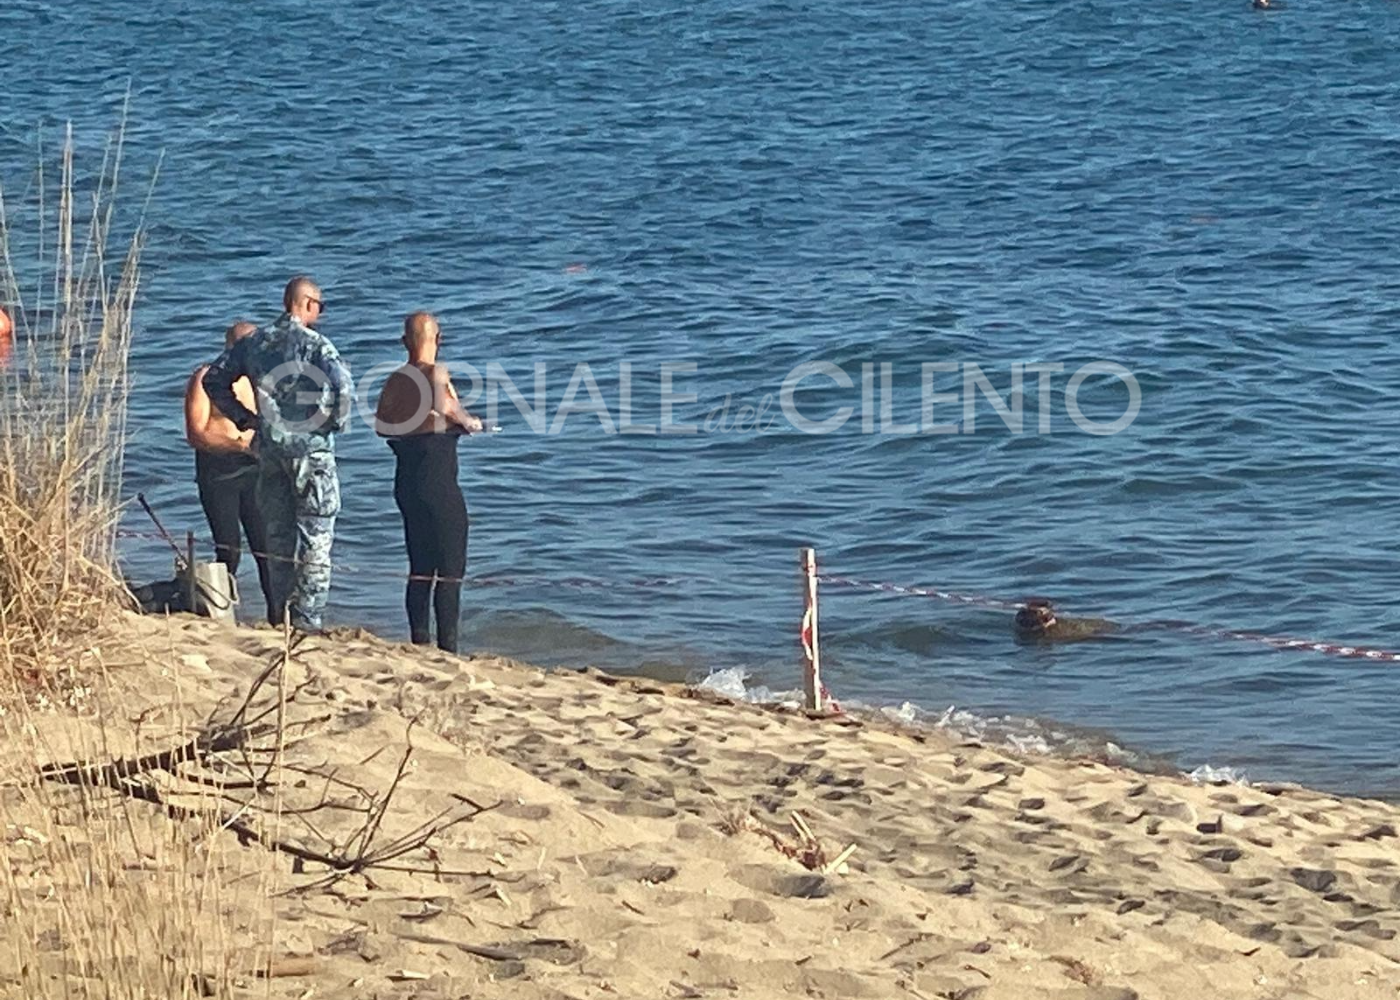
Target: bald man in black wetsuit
420, 415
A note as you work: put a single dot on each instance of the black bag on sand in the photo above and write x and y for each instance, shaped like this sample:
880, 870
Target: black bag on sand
213, 594
162, 597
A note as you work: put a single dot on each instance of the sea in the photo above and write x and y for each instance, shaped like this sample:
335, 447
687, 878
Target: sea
1092, 301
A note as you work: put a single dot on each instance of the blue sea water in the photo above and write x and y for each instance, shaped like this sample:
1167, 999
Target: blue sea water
1203, 194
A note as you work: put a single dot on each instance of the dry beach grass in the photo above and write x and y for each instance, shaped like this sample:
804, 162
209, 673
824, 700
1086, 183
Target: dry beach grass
63, 420
102, 898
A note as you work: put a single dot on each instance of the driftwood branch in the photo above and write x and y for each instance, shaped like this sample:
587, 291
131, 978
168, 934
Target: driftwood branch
116, 774
231, 745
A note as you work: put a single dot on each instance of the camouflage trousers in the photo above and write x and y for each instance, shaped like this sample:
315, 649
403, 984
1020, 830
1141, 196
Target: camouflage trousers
299, 498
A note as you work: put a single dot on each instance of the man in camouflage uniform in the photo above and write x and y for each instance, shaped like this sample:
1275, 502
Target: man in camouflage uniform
304, 393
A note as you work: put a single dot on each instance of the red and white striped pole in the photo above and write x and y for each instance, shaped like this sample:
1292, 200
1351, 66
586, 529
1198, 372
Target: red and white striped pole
811, 648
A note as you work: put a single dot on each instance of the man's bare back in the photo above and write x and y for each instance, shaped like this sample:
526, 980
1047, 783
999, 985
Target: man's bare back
206, 428
419, 398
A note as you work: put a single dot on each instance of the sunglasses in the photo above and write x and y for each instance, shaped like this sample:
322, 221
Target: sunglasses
320, 304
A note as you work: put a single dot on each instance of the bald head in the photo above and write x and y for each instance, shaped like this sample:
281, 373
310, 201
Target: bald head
420, 331
238, 331
302, 298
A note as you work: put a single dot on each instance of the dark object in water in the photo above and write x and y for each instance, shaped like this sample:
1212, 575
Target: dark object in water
162, 597
1038, 622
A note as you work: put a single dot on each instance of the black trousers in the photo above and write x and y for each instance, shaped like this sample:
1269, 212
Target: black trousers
435, 529
226, 482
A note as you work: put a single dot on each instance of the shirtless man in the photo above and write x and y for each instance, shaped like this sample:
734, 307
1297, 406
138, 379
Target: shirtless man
225, 469
421, 417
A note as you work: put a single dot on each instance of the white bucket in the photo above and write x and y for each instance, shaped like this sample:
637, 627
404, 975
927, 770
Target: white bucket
215, 592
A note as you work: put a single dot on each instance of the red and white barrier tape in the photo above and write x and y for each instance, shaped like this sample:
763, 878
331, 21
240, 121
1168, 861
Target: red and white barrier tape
1276, 642
940, 595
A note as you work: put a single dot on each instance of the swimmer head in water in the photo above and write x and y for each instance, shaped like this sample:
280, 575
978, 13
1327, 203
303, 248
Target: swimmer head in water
1036, 618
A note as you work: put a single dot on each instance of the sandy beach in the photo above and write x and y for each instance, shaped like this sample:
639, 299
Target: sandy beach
637, 839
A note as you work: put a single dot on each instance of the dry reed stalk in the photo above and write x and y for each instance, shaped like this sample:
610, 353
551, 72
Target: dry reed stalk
63, 406
101, 895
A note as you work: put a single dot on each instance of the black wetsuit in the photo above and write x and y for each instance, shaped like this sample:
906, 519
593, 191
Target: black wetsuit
435, 530
226, 481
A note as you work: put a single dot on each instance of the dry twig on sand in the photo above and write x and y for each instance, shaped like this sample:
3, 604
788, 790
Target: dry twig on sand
807, 850
261, 728
360, 855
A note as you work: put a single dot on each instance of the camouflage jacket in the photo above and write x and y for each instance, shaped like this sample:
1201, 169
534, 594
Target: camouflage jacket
303, 388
